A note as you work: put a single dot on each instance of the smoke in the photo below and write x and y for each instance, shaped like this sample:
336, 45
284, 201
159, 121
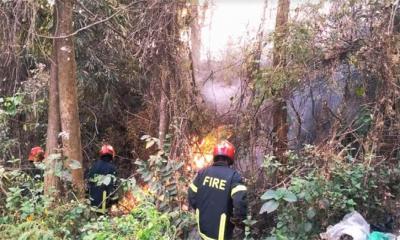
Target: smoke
219, 95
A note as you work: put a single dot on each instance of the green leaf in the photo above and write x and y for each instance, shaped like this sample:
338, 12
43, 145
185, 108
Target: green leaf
106, 180
74, 164
301, 195
281, 193
147, 177
54, 156
270, 194
351, 202
58, 168
307, 226
271, 238
290, 197
311, 213
149, 144
360, 91
249, 222
144, 137
139, 162
14, 160
269, 207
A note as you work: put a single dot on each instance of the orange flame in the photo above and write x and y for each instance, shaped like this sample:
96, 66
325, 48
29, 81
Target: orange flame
125, 205
201, 151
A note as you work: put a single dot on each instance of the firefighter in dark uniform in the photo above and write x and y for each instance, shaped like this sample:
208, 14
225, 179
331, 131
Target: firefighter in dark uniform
102, 195
36, 156
34, 169
219, 196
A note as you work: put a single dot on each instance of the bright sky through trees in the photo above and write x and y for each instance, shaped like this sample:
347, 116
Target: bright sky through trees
236, 22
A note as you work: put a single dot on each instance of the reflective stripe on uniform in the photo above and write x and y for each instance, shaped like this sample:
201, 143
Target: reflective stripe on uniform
222, 223
202, 235
238, 188
103, 203
193, 187
97, 210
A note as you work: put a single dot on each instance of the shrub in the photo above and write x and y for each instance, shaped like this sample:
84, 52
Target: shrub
28, 214
321, 197
144, 222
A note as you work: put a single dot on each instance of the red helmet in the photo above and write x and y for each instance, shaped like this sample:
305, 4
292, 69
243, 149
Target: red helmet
107, 149
225, 149
36, 154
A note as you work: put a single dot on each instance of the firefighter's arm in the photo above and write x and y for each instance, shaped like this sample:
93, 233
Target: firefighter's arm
192, 191
239, 197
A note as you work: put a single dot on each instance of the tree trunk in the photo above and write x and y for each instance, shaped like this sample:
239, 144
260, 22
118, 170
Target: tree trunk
51, 182
280, 127
195, 36
163, 124
282, 18
252, 71
68, 93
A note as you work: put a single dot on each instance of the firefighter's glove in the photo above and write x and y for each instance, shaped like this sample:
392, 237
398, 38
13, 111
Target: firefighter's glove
238, 222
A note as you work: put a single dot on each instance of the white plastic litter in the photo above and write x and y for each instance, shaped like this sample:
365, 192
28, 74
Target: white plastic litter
353, 224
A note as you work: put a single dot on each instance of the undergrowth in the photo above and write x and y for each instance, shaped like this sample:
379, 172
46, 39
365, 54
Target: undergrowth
316, 197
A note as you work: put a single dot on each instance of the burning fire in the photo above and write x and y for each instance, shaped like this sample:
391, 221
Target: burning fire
124, 206
202, 150
200, 156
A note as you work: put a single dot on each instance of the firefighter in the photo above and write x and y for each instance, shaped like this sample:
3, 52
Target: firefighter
33, 189
36, 157
101, 191
219, 196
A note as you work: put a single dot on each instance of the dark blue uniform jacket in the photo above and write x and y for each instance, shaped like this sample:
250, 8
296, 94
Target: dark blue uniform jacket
96, 191
217, 194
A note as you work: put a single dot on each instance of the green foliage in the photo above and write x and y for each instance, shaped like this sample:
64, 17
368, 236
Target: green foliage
32, 230
28, 214
314, 200
249, 223
10, 105
299, 53
275, 197
161, 175
363, 121
21, 117
166, 184
145, 223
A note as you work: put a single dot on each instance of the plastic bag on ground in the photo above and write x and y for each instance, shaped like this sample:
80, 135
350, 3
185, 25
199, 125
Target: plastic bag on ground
381, 236
353, 224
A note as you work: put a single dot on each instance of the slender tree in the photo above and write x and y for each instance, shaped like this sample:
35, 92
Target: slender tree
195, 35
280, 127
253, 68
51, 181
164, 118
66, 74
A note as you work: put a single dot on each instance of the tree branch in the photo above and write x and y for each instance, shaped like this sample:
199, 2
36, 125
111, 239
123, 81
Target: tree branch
88, 26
